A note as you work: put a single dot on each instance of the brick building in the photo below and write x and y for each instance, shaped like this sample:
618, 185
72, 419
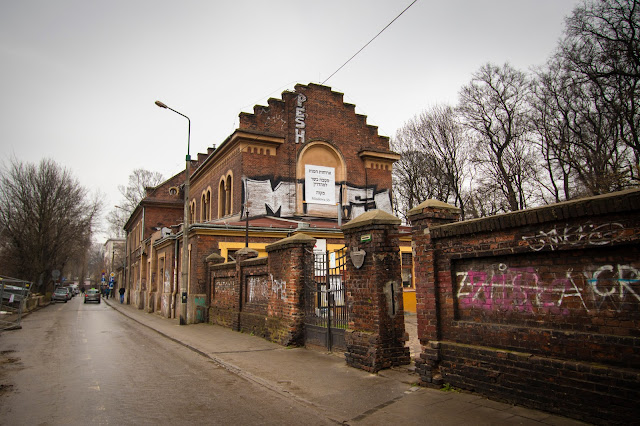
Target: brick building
305, 161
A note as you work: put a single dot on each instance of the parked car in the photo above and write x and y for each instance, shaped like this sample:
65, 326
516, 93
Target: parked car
61, 294
92, 295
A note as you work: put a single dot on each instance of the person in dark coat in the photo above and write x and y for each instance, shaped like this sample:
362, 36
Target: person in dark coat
121, 291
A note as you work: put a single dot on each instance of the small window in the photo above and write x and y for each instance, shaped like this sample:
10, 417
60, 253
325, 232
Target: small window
173, 191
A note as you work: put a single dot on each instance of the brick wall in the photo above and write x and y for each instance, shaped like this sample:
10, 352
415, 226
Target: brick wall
539, 307
262, 296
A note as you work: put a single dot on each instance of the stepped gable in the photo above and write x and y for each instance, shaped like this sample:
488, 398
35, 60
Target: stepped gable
271, 119
345, 123
278, 117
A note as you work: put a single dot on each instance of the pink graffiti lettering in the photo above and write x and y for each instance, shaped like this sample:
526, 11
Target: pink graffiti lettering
522, 290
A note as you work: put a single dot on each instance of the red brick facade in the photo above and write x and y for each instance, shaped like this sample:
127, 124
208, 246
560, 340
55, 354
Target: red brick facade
260, 168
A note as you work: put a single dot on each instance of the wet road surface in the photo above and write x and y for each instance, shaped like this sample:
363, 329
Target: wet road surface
77, 364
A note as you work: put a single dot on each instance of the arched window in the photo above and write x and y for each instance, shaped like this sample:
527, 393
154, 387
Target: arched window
192, 211
203, 207
225, 195
228, 203
222, 199
319, 153
208, 209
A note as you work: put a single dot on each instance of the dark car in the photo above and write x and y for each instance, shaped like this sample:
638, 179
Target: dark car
61, 294
92, 295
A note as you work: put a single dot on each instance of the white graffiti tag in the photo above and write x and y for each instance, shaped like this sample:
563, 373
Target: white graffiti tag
589, 234
279, 288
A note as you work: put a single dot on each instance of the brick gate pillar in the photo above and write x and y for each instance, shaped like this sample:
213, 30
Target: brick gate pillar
290, 267
428, 214
376, 336
242, 254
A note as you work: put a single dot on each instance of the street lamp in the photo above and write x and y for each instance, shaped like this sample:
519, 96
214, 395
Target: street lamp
185, 228
125, 276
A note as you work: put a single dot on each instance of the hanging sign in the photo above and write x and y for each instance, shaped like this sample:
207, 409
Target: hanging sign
320, 184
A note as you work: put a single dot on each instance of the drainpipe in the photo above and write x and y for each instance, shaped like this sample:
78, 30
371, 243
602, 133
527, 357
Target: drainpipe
172, 302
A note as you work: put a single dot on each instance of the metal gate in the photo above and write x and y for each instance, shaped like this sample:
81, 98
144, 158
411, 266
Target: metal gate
326, 316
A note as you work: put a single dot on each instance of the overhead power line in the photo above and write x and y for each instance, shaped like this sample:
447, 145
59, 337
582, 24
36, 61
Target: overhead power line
369, 42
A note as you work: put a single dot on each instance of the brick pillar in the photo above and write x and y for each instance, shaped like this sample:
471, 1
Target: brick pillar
290, 267
242, 254
376, 336
428, 214
211, 260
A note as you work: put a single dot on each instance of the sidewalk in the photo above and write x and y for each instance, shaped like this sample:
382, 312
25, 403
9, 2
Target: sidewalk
323, 381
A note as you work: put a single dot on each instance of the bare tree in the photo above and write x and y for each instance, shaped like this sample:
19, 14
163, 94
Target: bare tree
578, 136
602, 46
132, 194
95, 263
587, 102
495, 107
47, 220
416, 176
434, 159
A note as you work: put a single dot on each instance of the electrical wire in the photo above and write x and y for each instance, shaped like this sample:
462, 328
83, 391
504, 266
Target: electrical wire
369, 42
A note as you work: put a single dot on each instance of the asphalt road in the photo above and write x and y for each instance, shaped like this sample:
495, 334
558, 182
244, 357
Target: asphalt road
78, 364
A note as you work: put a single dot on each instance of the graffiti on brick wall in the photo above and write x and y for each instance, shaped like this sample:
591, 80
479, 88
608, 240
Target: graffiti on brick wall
265, 199
504, 288
279, 288
257, 289
223, 286
589, 234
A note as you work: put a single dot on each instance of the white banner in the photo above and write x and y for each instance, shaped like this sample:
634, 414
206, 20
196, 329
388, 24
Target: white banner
319, 184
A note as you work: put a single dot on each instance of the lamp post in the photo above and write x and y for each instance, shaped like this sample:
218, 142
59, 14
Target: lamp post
185, 228
125, 255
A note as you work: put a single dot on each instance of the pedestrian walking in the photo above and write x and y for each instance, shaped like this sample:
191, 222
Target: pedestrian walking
121, 291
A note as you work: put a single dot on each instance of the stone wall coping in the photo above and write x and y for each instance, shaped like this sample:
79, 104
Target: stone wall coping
220, 266
215, 258
246, 251
255, 261
432, 204
299, 238
615, 202
372, 217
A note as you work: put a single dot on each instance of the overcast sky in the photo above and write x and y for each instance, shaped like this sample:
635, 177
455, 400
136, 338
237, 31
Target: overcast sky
79, 78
